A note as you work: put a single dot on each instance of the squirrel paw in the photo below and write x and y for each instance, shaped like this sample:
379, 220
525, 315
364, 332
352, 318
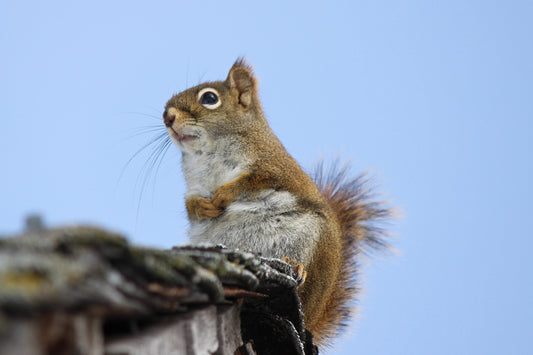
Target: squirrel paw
202, 208
298, 270
224, 195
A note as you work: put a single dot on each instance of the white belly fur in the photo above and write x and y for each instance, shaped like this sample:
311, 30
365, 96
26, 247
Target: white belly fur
272, 225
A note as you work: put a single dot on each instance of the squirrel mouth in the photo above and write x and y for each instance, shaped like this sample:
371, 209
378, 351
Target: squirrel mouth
183, 138
186, 138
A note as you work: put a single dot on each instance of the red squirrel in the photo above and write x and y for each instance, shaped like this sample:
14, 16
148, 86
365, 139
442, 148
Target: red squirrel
245, 191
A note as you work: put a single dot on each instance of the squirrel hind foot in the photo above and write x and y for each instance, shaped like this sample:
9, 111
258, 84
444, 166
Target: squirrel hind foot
298, 270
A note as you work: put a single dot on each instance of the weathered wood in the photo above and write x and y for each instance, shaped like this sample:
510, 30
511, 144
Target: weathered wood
87, 291
210, 330
56, 333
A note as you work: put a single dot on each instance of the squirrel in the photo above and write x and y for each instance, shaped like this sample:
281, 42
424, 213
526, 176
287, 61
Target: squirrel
245, 191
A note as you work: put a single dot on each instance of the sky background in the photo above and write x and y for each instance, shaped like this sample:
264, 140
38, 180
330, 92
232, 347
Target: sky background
434, 98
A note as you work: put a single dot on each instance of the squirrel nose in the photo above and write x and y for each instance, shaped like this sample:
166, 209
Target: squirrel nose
169, 119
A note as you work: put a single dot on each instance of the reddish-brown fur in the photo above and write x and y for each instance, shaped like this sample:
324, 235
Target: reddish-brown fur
346, 205
359, 217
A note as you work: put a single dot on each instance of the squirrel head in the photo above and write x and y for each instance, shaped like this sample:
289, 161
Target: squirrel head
197, 117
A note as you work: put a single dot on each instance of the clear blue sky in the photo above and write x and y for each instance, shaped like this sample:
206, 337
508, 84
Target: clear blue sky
435, 98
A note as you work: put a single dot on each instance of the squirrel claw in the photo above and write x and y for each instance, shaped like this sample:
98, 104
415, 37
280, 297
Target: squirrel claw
203, 208
206, 210
299, 273
224, 195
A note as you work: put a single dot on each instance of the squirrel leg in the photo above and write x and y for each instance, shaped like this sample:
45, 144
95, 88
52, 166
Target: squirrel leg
230, 191
297, 268
201, 208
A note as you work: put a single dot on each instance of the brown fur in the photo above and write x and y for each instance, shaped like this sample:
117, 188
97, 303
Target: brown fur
346, 206
359, 217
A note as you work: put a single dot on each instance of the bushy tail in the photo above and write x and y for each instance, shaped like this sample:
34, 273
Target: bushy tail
362, 219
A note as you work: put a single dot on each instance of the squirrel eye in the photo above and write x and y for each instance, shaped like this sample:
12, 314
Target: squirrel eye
208, 98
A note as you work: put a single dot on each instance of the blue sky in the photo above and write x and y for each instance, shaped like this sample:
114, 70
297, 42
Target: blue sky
435, 99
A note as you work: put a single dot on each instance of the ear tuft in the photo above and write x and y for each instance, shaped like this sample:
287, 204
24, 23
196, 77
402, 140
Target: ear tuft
241, 77
242, 63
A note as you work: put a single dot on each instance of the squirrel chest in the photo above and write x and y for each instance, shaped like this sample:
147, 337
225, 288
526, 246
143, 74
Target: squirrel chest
270, 223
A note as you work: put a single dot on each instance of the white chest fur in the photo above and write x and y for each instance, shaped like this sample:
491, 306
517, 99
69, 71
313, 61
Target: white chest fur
205, 171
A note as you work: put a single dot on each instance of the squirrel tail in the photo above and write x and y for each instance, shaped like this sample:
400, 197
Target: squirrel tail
361, 218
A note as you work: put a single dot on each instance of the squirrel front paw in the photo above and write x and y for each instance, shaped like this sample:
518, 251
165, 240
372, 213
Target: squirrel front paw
202, 208
298, 270
224, 195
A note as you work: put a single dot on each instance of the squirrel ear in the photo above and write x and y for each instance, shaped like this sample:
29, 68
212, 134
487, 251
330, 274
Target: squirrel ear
241, 77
